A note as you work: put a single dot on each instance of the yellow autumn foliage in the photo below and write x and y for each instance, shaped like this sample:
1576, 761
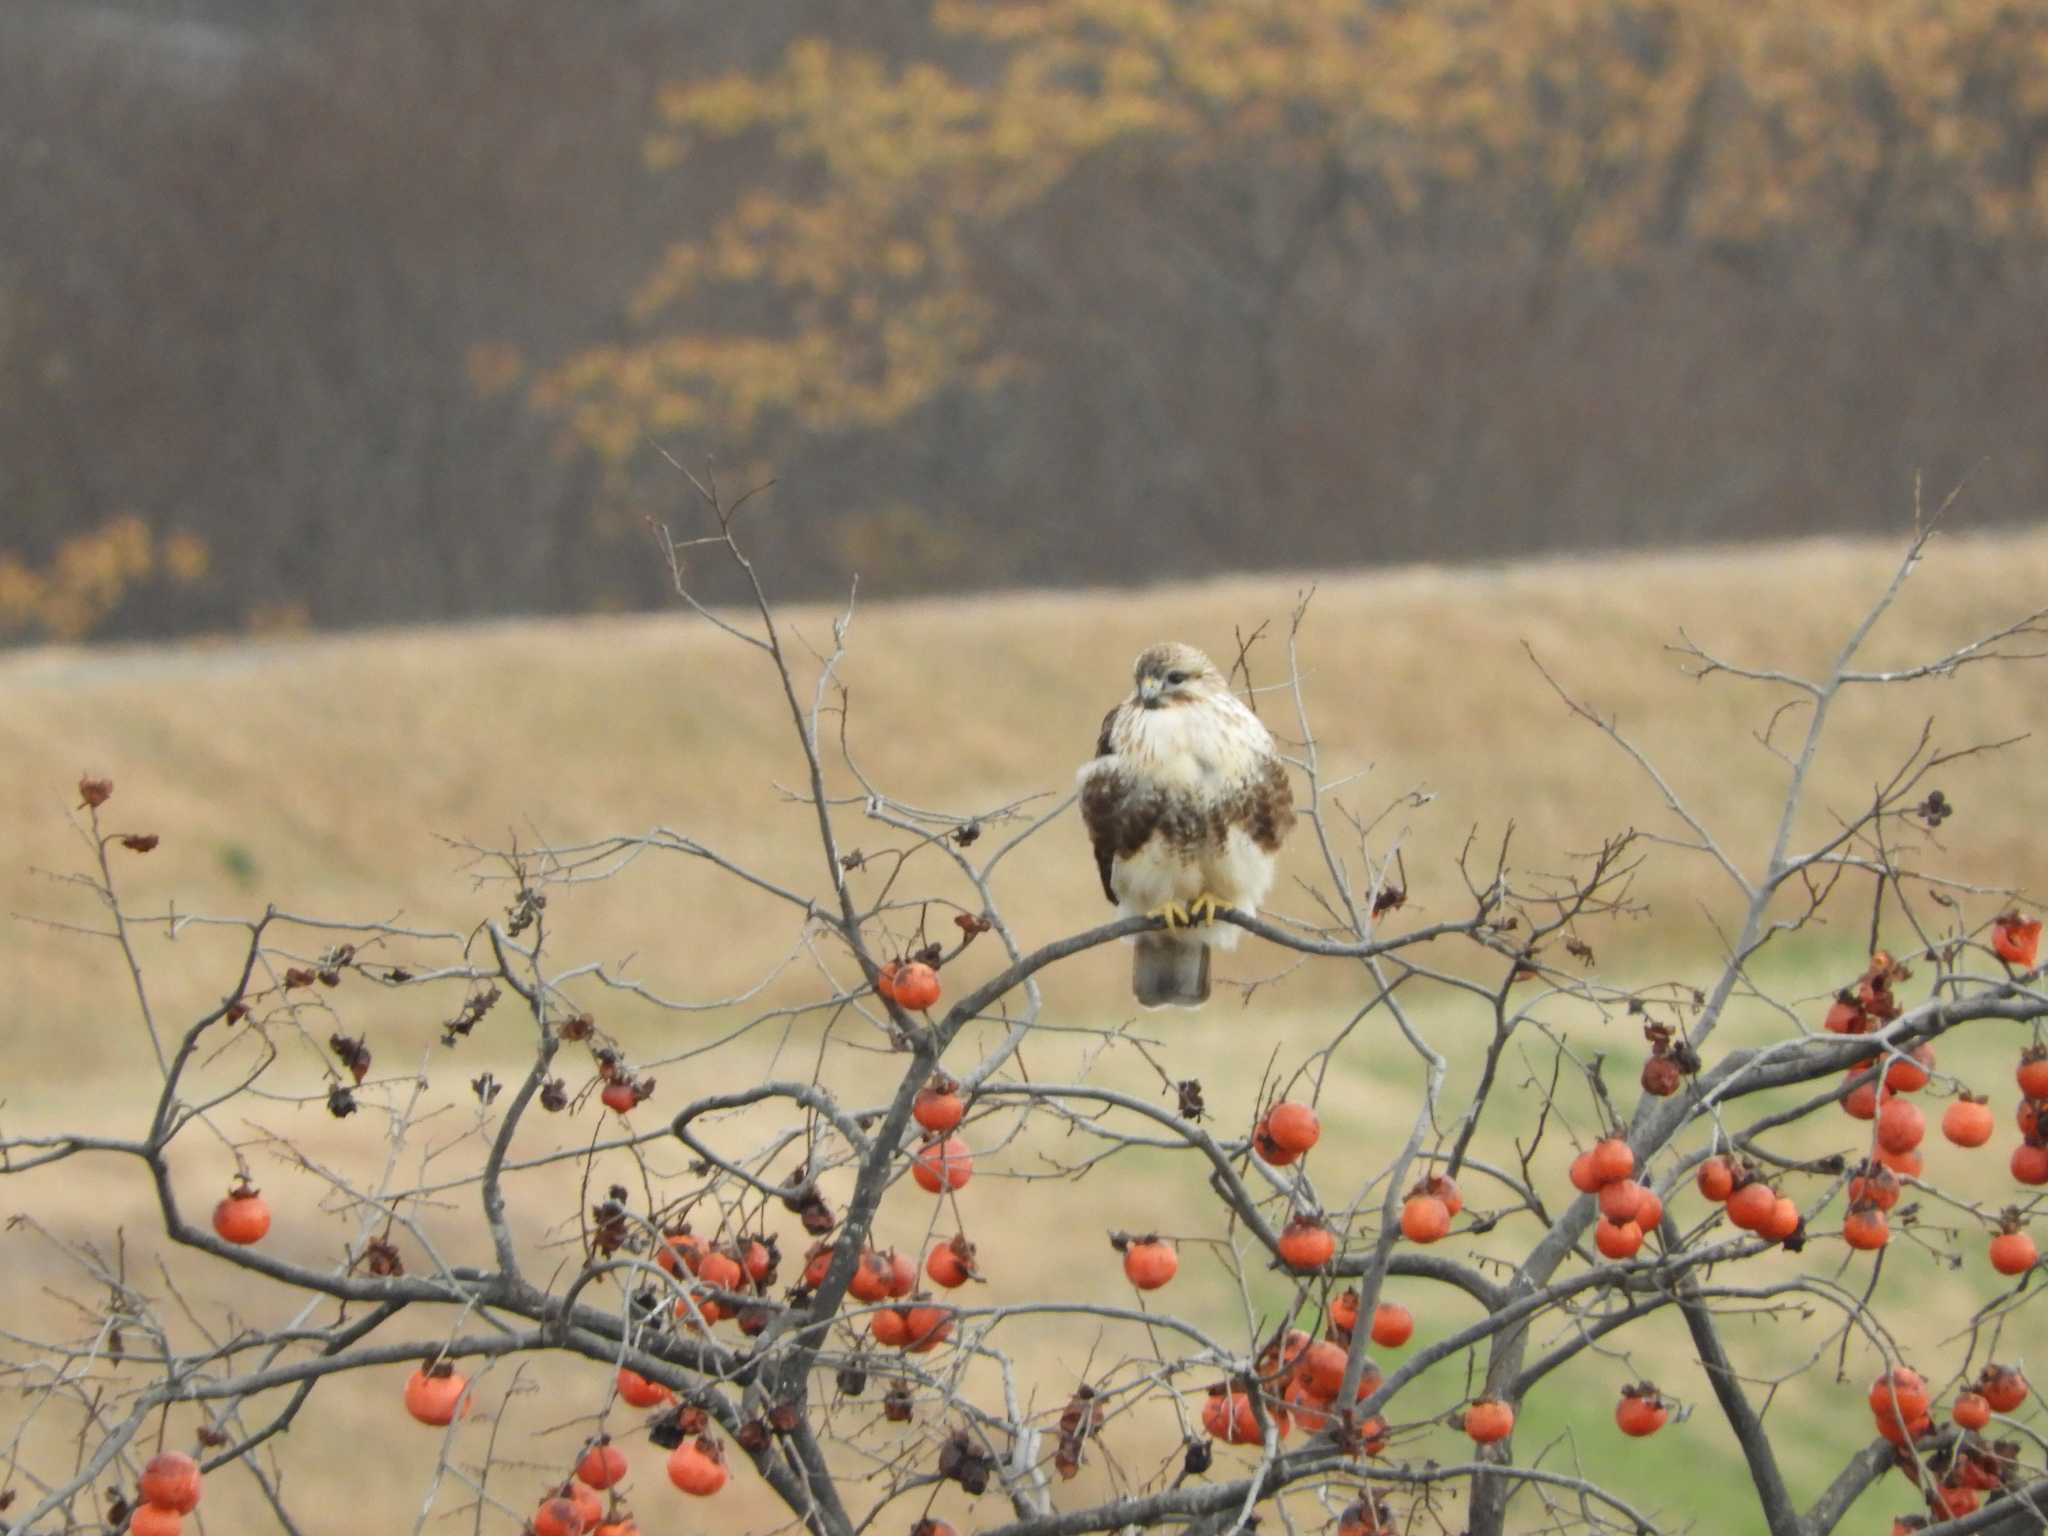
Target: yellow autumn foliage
85, 578
1604, 130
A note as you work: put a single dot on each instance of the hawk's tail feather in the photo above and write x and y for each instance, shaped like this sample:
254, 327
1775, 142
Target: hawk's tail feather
1169, 973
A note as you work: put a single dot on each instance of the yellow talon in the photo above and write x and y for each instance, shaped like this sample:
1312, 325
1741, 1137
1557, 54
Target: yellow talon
1203, 908
1173, 914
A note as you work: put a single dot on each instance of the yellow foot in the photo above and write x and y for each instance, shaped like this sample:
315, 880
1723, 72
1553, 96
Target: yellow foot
1203, 908
1173, 914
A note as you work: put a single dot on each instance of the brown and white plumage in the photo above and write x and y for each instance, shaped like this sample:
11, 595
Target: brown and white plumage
1186, 801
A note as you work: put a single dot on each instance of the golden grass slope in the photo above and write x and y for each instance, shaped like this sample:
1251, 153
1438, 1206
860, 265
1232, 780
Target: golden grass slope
321, 773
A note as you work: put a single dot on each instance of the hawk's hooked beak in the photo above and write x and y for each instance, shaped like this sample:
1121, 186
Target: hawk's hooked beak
1148, 692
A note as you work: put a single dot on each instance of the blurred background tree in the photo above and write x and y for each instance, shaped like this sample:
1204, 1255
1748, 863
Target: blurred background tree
384, 312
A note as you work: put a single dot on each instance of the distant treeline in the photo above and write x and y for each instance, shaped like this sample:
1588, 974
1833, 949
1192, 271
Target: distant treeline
338, 316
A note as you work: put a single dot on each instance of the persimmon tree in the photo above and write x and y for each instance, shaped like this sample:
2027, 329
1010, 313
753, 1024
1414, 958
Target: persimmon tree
718, 1281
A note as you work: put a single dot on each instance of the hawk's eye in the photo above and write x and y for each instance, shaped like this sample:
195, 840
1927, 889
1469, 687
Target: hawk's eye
1176, 678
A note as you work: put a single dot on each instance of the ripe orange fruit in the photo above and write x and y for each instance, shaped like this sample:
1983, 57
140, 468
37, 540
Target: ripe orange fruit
682, 1248
639, 1392
1306, 1243
938, 1107
885, 980
1363, 1518
1227, 1416
1322, 1367
2032, 1072
1292, 1127
620, 1094
155, 1520
1344, 1310
720, 1270
1876, 1185
1716, 1179
1583, 1178
1149, 1262
1649, 1211
917, 986
1270, 1151
1901, 1391
951, 1264
2015, 940
1392, 1324
1305, 1403
1844, 1017
1618, 1240
926, 1327
2013, 1253
1860, 1102
1488, 1419
1751, 1206
891, 1329
1971, 1410
697, 1466
437, 1395
587, 1503
565, 1515
1612, 1159
901, 1272
1424, 1219
942, 1164
1899, 1434
1640, 1412
1865, 1227
2003, 1386
1783, 1221
1905, 1164
870, 1280
244, 1216
1900, 1125
171, 1480
1909, 1073
1621, 1200
2030, 1163
602, 1465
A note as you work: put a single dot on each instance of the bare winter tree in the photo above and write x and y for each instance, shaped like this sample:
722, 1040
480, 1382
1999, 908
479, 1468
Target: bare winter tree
870, 1390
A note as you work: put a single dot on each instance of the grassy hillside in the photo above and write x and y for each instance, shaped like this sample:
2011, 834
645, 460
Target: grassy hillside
323, 774
329, 776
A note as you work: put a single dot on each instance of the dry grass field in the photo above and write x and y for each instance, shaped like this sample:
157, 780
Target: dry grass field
336, 777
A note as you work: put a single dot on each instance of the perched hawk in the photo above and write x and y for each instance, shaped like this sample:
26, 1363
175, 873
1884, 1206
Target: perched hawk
1186, 801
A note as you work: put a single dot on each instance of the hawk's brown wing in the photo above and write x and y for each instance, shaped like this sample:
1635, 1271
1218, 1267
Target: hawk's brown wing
1106, 808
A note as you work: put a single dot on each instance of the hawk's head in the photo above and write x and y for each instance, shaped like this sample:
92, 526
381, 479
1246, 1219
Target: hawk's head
1173, 674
